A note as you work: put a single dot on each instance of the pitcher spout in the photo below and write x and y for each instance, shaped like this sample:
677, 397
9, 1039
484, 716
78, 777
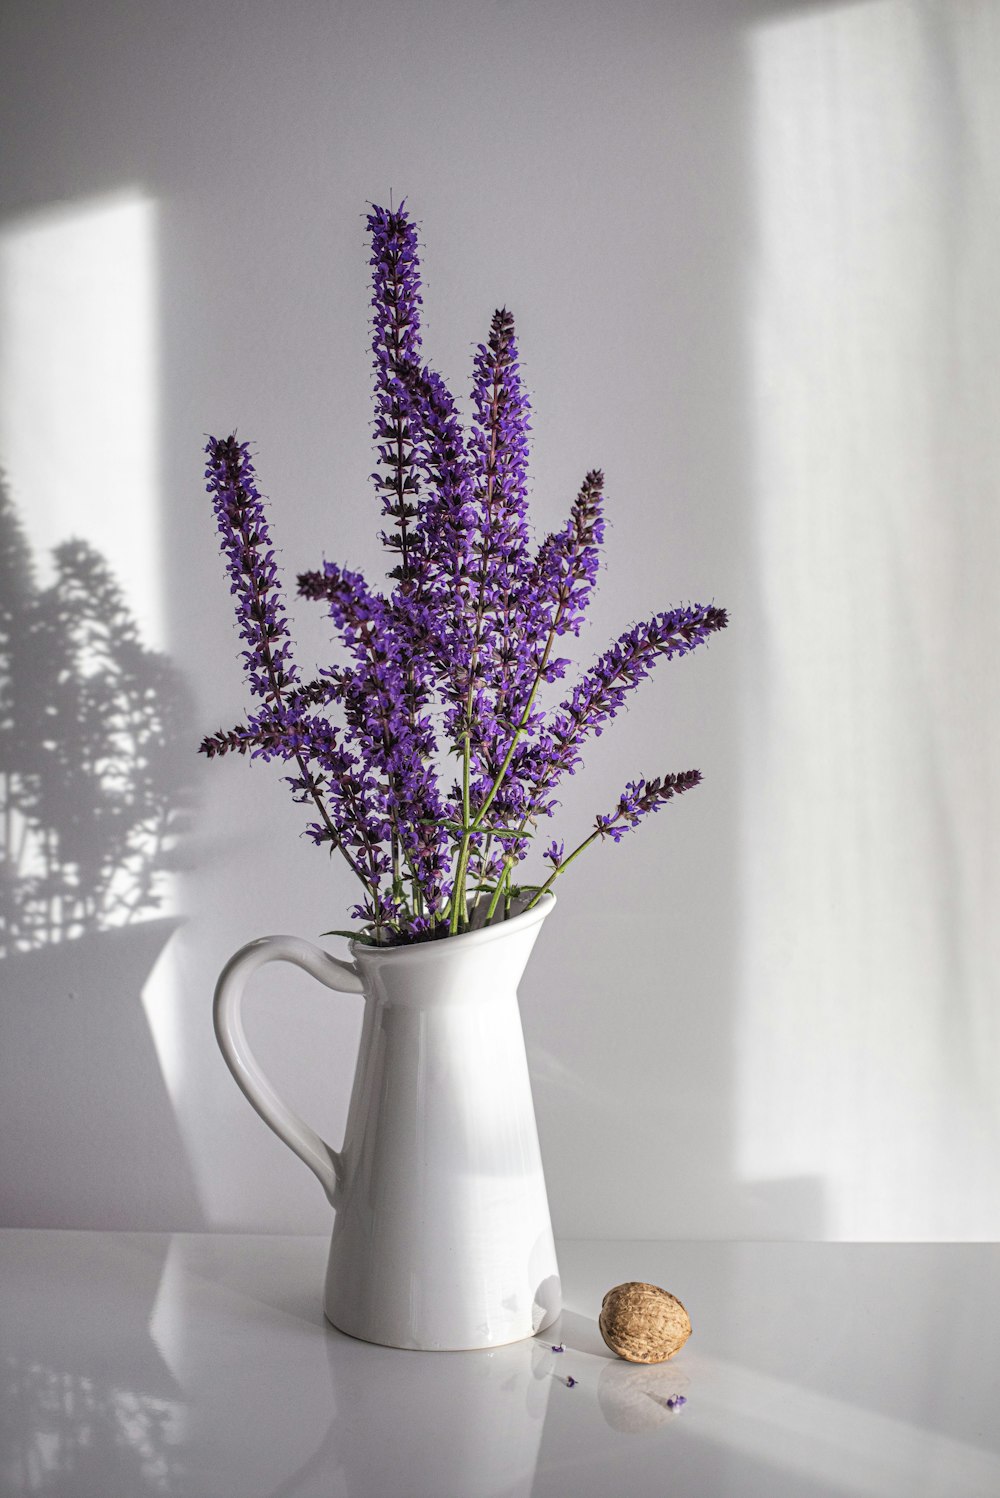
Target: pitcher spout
470, 968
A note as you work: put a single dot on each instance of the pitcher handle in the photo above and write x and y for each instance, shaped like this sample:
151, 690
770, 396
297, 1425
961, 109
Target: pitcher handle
324, 1162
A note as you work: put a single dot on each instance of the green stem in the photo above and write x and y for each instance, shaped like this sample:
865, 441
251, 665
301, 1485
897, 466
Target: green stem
397, 872
563, 866
459, 912
508, 864
463, 856
480, 886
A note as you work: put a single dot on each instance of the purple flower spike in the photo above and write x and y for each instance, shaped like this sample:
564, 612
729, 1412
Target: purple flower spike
506, 615
602, 693
395, 341
640, 798
499, 448
381, 703
440, 607
565, 569
253, 572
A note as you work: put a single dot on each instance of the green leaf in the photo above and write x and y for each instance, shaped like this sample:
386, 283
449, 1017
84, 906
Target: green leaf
361, 936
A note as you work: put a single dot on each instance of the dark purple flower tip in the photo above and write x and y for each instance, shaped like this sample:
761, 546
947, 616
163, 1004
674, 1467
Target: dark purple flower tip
245, 541
640, 798
565, 569
560, 1348
675, 1401
570, 1381
396, 341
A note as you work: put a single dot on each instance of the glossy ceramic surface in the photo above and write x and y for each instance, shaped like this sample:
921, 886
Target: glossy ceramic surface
198, 1366
442, 1239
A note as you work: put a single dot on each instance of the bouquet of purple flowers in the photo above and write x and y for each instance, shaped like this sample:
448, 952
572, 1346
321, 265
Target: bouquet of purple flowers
453, 661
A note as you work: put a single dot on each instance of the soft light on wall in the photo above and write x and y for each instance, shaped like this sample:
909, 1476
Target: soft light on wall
869, 1044
78, 385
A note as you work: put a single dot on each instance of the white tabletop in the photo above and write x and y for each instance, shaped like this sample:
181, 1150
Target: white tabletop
140, 1363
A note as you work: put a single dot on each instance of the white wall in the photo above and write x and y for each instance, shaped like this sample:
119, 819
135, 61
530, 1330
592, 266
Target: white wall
750, 250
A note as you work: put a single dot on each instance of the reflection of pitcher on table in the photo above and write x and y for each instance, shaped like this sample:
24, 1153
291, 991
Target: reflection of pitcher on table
473, 1427
442, 1237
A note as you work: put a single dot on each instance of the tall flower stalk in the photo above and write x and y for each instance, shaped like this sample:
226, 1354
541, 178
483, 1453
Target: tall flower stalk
431, 755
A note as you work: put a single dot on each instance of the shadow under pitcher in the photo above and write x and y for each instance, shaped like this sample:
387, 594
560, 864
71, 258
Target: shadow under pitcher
442, 1238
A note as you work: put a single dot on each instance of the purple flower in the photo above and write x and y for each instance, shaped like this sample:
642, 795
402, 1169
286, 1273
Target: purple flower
327, 778
639, 798
250, 563
500, 568
499, 449
497, 643
438, 605
565, 569
382, 707
553, 593
602, 693
395, 341
428, 753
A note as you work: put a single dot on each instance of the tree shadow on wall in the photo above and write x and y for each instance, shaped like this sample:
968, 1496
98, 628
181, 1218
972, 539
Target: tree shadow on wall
92, 804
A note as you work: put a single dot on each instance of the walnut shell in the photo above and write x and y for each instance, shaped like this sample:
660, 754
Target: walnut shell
643, 1323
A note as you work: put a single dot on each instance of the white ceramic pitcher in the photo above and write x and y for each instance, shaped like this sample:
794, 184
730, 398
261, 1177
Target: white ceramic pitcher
442, 1238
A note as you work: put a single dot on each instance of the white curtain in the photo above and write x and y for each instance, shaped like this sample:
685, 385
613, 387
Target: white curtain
869, 1035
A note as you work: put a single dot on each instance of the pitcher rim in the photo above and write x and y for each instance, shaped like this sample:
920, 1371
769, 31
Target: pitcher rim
527, 918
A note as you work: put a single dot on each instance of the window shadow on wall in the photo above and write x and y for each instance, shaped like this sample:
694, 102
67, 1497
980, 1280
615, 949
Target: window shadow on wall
92, 808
